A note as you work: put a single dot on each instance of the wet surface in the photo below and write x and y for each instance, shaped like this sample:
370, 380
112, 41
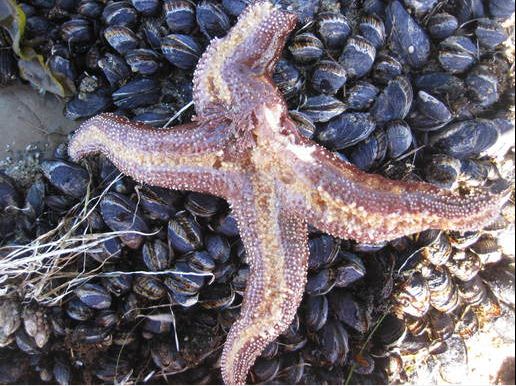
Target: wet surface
28, 118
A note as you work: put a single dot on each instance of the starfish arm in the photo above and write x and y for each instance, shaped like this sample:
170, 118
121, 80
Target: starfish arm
183, 157
234, 73
276, 244
350, 203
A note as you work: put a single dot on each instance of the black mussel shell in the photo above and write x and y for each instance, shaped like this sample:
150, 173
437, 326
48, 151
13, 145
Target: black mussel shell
306, 49
287, 78
334, 29
373, 29
182, 51
361, 96
121, 38
146, 7
457, 54
346, 130
119, 13
370, 152
328, 77
466, 139
322, 108
358, 57
68, 177
394, 102
407, 38
94, 296
399, 138
138, 92
184, 233
442, 25
212, 19
179, 15
121, 215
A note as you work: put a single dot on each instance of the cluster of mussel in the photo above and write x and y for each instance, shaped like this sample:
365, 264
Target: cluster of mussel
375, 81
161, 296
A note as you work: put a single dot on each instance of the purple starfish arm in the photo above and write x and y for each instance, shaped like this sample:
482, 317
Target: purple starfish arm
276, 242
346, 202
183, 157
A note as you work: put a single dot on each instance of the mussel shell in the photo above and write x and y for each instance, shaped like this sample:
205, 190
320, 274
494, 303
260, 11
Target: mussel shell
77, 310
138, 92
68, 177
464, 265
351, 270
218, 296
414, 296
469, 9
443, 170
333, 28
328, 77
502, 9
441, 84
370, 152
146, 7
211, 19
457, 54
218, 247
391, 331
115, 69
182, 51
156, 255
334, 342
235, 7
179, 15
287, 78
148, 287
121, 214
408, 39
346, 130
88, 105
436, 114
323, 251
386, 68
121, 38
394, 102
399, 138
94, 296
185, 281
373, 29
143, 61
361, 96
184, 233
358, 57
348, 310
466, 139
322, 108
264, 370
442, 25
320, 283
119, 13
483, 86
305, 126
490, 34
473, 291
316, 313
306, 49
202, 205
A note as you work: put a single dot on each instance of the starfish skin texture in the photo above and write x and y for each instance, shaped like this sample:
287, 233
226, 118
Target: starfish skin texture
243, 147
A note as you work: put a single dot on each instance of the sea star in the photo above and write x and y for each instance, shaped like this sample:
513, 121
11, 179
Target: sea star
243, 147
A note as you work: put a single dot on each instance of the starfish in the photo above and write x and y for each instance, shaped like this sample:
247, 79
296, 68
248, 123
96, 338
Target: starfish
243, 147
